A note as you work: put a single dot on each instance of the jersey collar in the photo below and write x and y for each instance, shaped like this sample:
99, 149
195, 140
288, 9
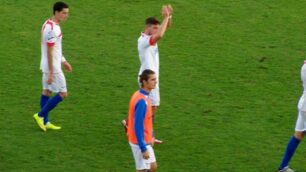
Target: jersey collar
144, 92
144, 34
57, 23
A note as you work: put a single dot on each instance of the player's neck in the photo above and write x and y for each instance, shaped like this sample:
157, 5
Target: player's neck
55, 20
146, 90
146, 32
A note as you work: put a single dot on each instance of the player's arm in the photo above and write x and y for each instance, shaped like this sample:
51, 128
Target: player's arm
66, 64
51, 39
140, 113
164, 25
170, 10
50, 62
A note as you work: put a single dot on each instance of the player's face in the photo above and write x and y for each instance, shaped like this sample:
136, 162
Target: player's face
153, 29
151, 83
62, 15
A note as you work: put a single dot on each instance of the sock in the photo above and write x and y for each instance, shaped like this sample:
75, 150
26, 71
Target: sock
43, 101
291, 147
51, 104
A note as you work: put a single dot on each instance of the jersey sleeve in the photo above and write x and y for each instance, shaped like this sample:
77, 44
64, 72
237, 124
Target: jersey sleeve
49, 35
51, 38
63, 59
140, 113
146, 41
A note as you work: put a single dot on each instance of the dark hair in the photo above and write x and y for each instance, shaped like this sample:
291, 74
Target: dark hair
152, 21
145, 75
59, 6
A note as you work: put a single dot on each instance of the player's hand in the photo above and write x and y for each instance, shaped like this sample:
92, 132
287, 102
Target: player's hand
170, 9
67, 66
146, 155
50, 78
165, 11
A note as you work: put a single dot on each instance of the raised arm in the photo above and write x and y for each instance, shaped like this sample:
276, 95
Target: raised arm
163, 27
170, 9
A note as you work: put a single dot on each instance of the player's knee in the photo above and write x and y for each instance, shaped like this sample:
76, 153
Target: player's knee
153, 167
63, 95
154, 108
299, 135
47, 93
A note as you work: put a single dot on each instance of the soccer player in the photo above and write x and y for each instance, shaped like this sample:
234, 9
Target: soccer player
300, 127
52, 58
148, 51
140, 128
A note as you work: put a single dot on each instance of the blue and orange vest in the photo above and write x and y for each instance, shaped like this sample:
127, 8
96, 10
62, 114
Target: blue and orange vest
148, 123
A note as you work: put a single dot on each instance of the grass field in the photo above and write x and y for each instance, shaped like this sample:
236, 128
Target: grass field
229, 85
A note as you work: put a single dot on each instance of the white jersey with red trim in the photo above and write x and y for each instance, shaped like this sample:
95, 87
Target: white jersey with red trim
148, 54
51, 35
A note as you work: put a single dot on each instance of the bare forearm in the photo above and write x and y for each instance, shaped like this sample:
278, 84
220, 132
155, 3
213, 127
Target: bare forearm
66, 64
170, 11
162, 29
50, 59
169, 22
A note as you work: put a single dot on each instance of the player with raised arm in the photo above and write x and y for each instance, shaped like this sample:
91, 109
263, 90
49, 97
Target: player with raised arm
148, 51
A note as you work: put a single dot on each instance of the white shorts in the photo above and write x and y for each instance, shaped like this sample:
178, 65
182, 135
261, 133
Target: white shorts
142, 164
58, 84
154, 95
301, 122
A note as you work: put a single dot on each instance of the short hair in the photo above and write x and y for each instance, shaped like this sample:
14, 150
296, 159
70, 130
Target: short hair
151, 21
145, 75
59, 6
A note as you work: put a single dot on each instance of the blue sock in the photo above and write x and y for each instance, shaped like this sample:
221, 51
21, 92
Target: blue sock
291, 147
43, 101
50, 105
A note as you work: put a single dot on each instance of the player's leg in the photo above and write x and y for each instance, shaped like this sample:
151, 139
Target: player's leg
49, 125
46, 93
155, 99
45, 96
62, 88
141, 164
290, 150
124, 123
63, 95
152, 159
153, 167
58, 86
149, 165
294, 142
50, 105
154, 109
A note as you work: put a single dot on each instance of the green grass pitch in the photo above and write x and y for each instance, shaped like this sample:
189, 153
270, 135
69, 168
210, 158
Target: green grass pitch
229, 85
